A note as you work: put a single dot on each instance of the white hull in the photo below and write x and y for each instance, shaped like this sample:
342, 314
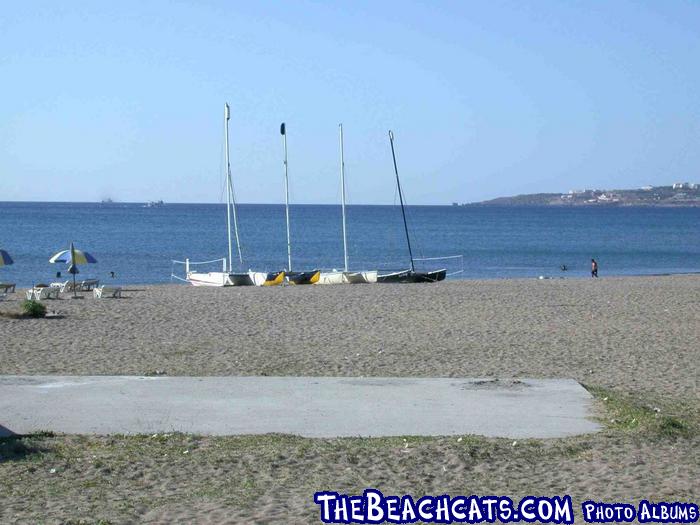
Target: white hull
219, 279
258, 278
331, 278
361, 277
208, 279
347, 277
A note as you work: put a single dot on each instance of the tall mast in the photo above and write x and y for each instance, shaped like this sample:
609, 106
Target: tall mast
342, 192
230, 202
283, 131
403, 212
228, 186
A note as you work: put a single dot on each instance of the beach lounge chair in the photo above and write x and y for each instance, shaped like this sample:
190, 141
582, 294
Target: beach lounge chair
66, 286
107, 291
7, 288
89, 284
43, 292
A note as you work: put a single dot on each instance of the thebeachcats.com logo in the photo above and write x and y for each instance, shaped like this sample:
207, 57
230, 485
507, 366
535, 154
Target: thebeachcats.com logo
374, 507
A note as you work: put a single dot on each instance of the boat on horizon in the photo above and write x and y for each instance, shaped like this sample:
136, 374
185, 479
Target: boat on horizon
409, 275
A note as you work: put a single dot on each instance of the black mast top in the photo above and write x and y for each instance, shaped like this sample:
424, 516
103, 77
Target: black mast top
403, 212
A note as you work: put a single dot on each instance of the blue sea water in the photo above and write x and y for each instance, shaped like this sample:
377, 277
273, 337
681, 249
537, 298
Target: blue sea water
138, 243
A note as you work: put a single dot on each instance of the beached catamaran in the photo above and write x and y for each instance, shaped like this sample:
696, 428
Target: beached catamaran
305, 277
410, 275
346, 276
227, 277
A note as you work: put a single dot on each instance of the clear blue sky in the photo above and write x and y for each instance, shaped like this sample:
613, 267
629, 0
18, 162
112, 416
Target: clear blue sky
125, 99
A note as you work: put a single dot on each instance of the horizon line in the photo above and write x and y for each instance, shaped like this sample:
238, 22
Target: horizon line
450, 204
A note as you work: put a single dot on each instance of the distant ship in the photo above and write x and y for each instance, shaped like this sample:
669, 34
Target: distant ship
154, 204
107, 201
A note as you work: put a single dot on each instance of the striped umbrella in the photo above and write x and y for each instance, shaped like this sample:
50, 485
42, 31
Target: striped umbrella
5, 259
73, 257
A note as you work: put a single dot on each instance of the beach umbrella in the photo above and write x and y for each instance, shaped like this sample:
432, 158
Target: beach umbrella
5, 259
73, 257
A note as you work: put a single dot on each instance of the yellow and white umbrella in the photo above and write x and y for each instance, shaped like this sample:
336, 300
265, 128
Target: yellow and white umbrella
73, 257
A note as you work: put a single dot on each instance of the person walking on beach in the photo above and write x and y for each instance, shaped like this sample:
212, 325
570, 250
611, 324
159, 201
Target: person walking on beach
594, 268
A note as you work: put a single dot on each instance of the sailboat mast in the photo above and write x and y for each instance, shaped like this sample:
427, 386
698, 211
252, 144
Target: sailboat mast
403, 211
283, 131
342, 192
228, 187
230, 201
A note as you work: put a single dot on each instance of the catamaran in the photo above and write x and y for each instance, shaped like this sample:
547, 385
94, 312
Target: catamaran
227, 277
410, 275
306, 277
345, 276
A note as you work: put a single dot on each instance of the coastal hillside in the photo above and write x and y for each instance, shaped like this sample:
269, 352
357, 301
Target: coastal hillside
679, 194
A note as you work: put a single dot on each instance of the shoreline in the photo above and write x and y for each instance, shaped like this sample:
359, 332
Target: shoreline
583, 276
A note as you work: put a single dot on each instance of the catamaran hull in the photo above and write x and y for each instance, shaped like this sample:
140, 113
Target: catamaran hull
331, 278
235, 279
360, 277
219, 279
347, 277
267, 278
408, 276
240, 279
311, 277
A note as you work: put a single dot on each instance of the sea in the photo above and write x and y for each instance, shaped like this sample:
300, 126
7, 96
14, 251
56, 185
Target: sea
139, 243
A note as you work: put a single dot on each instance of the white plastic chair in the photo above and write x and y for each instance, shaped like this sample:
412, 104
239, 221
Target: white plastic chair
7, 288
107, 291
45, 292
62, 286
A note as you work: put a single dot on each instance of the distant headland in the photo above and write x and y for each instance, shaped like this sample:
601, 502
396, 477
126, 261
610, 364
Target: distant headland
678, 194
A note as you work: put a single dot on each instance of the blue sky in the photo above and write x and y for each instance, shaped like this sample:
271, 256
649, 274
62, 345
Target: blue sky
125, 99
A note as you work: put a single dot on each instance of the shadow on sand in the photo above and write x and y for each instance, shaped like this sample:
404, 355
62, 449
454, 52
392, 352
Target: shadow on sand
16, 447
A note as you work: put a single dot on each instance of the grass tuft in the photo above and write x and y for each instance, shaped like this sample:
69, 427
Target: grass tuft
32, 308
626, 414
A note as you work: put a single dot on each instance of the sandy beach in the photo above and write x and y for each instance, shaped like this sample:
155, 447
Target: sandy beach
635, 342
636, 334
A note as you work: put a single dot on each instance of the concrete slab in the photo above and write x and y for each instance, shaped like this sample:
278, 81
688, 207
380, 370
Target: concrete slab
305, 406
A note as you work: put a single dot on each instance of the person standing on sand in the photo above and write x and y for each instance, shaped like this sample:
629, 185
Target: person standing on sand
594, 268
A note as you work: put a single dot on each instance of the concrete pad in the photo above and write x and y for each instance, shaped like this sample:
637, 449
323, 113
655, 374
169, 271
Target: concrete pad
305, 406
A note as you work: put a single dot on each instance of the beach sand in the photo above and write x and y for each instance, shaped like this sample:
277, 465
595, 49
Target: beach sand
639, 334
635, 342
